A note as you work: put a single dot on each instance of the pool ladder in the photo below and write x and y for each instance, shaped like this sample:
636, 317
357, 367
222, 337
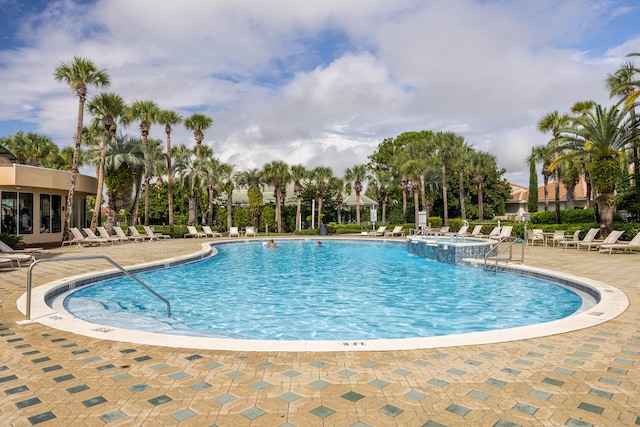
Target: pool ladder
497, 257
80, 258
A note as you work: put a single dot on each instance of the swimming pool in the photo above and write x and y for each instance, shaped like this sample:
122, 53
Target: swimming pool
344, 290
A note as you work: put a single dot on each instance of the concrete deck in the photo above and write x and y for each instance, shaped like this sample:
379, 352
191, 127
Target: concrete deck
588, 377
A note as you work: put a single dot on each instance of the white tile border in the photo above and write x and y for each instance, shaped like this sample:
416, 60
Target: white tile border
612, 303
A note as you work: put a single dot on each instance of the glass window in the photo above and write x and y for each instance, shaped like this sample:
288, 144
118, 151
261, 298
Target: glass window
9, 213
26, 213
56, 217
50, 219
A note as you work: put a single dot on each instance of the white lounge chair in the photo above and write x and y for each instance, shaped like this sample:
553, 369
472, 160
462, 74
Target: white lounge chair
397, 231
151, 233
102, 232
589, 237
135, 233
558, 236
505, 233
17, 258
193, 232
495, 233
622, 246
250, 231
121, 234
209, 232
379, 232
91, 235
8, 250
463, 231
233, 231
477, 230
81, 240
609, 240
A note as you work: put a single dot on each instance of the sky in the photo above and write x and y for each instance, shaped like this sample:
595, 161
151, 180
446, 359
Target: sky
320, 83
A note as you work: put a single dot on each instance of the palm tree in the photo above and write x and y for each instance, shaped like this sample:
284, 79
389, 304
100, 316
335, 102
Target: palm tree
145, 111
321, 175
211, 176
169, 118
78, 74
298, 174
154, 166
277, 174
337, 184
543, 154
604, 134
188, 175
448, 147
107, 109
413, 170
124, 157
251, 179
227, 184
356, 175
553, 122
480, 163
383, 181
625, 84
198, 123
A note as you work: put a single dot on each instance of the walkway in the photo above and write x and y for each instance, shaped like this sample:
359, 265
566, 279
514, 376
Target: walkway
589, 377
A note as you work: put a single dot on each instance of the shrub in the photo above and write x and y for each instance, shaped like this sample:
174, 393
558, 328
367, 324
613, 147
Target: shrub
11, 240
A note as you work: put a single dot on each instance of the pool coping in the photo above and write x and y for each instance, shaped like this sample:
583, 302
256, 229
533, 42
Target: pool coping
612, 302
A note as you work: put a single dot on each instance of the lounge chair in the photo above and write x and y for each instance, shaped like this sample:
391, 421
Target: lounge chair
477, 230
81, 240
8, 250
150, 233
5, 262
17, 258
397, 231
102, 232
193, 232
121, 234
493, 234
589, 237
250, 231
568, 240
535, 235
558, 236
463, 231
622, 246
505, 233
209, 232
609, 240
135, 233
233, 231
91, 235
379, 232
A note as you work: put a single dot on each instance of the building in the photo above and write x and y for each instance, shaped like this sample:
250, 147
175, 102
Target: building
33, 200
517, 205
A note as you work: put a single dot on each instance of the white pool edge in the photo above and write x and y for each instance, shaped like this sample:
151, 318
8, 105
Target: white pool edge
613, 302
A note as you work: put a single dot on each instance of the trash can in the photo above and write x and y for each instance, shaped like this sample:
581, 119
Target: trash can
323, 229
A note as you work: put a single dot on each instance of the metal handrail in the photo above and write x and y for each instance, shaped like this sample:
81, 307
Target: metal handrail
509, 247
79, 258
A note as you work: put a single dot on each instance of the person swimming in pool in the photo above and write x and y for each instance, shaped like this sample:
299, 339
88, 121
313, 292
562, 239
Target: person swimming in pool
272, 244
319, 243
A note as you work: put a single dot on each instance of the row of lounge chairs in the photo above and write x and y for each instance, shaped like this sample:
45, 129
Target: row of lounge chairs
89, 238
609, 244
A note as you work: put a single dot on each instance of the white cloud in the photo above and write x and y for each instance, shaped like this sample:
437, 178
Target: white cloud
487, 70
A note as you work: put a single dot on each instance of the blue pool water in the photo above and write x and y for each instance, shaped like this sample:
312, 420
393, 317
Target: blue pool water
344, 290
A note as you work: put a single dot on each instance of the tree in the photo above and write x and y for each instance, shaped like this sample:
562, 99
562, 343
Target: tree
449, 147
543, 154
79, 74
604, 134
107, 109
198, 123
188, 175
532, 202
298, 174
226, 183
382, 180
169, 118
153, 166
277, 174
413, 169
553, 122
251, 179
321, 176
31, 148
211, 175
355, 175
337, 185
480, 164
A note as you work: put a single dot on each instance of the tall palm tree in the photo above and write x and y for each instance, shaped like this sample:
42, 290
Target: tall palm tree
154, 166
625, 84
198, 123
251, 179
355, 175
448, 147
543, 154
553, 122
413, 169
211, 175
124, 157
227, 184
321, 175
277, 174
383, 182
298, 174
144, 111
604, 134
107, 109
79, 74
337, 184
169, 118
187, 173
480, 163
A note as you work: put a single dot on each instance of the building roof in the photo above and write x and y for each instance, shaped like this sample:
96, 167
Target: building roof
520, 194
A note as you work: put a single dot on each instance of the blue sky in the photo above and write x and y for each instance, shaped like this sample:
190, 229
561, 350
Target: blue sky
321, 83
